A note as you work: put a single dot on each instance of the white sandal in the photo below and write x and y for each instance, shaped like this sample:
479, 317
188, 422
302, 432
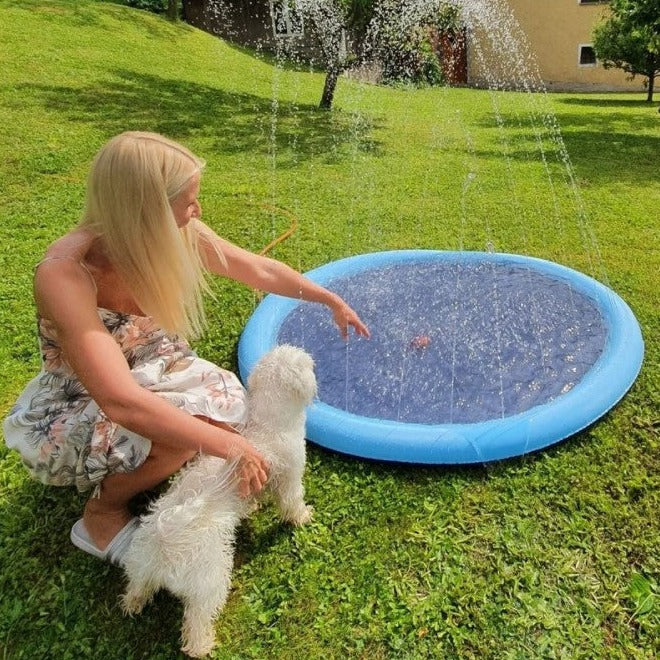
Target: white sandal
114, 552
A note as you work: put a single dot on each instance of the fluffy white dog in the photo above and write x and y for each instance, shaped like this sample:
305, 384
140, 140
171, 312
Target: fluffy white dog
185, 543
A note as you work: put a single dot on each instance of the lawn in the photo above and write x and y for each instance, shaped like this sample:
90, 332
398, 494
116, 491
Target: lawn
552, 555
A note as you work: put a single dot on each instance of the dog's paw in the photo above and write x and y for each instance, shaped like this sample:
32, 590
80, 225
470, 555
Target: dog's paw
302, 516
199, 647
197, 651
132, 603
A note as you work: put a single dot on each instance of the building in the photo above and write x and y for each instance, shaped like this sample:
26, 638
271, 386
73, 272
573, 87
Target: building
557, 35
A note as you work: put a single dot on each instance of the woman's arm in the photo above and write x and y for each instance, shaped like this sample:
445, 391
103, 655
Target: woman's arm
273, 276
65, 295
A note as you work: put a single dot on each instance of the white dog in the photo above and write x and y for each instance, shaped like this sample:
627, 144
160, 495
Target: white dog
185, 543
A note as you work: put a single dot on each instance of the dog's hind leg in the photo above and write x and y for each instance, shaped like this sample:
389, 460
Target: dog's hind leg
203, 599
197, 631
138, 594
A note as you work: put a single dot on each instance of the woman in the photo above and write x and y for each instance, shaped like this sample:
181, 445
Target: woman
122, 402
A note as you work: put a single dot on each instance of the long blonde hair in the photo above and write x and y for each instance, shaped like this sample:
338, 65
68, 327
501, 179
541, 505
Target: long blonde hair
131, 183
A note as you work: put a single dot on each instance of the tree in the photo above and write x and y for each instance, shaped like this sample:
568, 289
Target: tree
341, 26
629, 39
348, 28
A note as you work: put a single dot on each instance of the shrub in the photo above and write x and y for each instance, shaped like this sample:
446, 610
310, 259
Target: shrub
400, 39
409, 58
155, 6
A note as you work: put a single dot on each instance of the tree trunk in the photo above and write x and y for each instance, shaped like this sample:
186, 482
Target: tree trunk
652, 63
173, 10
651, 85
331, 78
649, 96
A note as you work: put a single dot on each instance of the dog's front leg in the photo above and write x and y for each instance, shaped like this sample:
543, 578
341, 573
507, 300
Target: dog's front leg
290, 495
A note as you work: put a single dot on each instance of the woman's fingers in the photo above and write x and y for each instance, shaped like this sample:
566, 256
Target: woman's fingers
360, 327
253, 475
347, 317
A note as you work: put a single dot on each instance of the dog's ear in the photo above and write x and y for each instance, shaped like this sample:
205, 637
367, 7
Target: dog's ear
302, 383
286, 372
302, 380
256, 379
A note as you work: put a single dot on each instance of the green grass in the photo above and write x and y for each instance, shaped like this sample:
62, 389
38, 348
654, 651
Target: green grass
553, 555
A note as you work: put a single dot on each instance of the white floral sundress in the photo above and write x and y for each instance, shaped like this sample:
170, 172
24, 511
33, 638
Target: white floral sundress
65, 438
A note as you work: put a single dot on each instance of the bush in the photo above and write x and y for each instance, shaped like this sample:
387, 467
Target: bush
409, 58
430, 69
400, 39
155, 6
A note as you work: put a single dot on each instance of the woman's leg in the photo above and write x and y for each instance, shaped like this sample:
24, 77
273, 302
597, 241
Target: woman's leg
106, 515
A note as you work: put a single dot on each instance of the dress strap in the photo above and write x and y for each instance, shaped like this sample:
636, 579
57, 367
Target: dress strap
80, 263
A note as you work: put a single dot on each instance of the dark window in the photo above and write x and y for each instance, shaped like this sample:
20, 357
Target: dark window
587, 56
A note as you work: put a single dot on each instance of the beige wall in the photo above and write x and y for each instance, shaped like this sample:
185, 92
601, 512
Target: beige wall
555, 29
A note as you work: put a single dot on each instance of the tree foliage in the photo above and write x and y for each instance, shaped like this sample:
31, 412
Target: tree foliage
155, 6
394, 32
629, 39
171, 8
401, 39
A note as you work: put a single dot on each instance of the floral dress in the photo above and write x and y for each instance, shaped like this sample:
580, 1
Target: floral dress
65, 438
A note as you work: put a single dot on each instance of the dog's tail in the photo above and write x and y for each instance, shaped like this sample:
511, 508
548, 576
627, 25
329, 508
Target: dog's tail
220, 485
215, 492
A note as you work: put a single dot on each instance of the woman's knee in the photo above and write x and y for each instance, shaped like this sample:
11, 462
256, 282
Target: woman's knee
174, 456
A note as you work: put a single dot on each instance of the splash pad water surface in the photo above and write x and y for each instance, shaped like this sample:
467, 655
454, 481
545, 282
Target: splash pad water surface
473, 357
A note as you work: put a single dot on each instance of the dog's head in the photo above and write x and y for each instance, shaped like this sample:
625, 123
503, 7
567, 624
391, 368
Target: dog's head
285, 373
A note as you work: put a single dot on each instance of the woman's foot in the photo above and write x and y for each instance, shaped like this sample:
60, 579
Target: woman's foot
104, 524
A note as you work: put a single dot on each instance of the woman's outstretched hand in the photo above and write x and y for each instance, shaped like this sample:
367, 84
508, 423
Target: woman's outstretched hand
251, 467
346, 317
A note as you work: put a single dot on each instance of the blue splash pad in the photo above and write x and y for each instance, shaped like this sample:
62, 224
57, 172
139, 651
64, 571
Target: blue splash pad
473, 356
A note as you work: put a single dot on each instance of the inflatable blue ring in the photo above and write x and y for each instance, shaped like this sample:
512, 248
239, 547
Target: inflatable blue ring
597, 392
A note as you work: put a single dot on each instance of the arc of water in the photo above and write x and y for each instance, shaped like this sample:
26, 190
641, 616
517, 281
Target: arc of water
529, 80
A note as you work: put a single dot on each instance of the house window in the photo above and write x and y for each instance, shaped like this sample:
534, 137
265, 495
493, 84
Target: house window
287, 20
587, 55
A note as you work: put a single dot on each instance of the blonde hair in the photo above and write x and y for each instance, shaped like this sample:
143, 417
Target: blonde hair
132, 181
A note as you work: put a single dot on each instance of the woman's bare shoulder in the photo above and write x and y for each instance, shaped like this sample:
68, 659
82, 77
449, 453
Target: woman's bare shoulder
62, 274
74, 245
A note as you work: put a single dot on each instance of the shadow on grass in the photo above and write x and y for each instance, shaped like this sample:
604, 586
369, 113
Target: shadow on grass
600, 102
283, 62
603, 147
60, 602
424, 475
239, 122
612, 146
